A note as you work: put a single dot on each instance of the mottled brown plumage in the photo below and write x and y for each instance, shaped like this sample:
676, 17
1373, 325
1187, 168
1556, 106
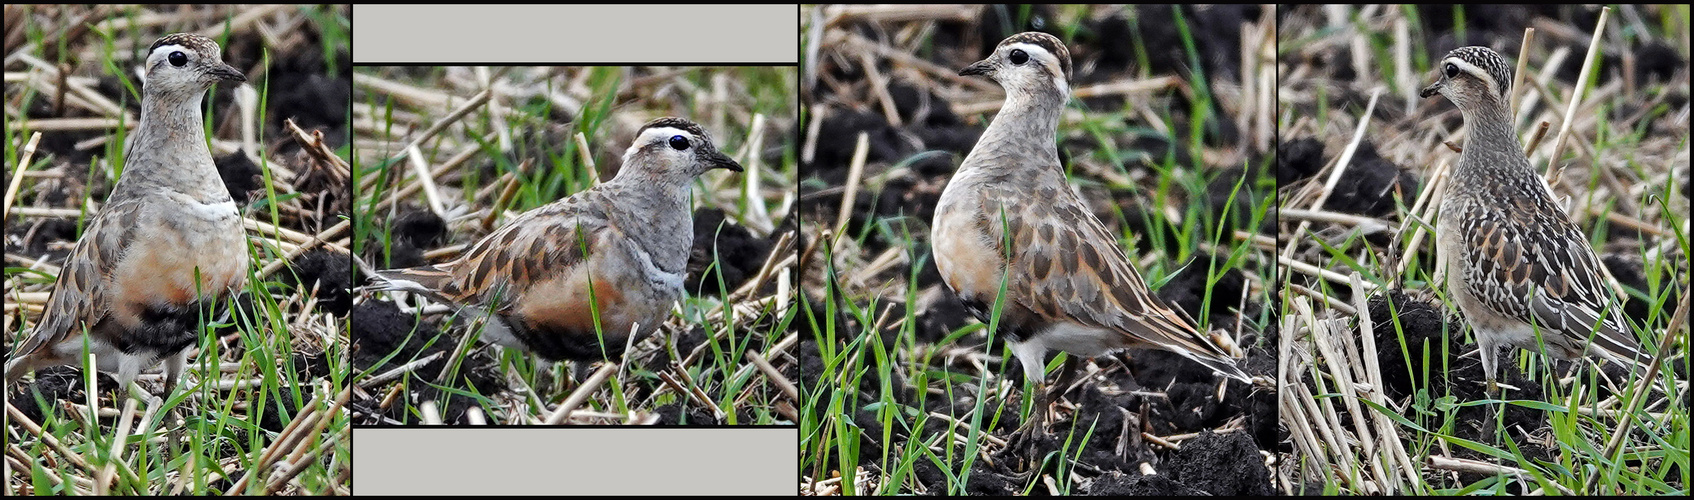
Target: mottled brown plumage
1515, 264
1008, 215
1071, 286
130, 282
572, 279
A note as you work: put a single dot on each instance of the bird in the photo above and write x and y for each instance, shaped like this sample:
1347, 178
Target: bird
167, 245
1008, 214
576, 279
1515, 264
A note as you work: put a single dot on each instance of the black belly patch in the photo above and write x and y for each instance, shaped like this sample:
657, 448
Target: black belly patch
984, 311
568, 345
167, 329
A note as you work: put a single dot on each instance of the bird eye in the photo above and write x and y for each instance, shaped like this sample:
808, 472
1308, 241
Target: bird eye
679, 142
1018, 56
1452, 70
178, 59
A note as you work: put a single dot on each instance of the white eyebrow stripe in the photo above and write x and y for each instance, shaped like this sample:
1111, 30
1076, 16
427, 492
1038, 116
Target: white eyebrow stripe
162, 53
656, 133
165, 49
662, 132
1030, 47
1476, 71
1049, 61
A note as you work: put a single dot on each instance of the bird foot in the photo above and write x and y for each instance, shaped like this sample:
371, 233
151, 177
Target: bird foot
1023, 451
1498, 390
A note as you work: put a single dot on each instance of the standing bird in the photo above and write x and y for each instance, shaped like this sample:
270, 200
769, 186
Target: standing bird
1516, 266
1008, 214
571, 280
129, 289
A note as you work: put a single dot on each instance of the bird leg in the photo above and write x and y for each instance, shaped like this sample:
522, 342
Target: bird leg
1027, 440
1489, 352
1023, 446
174, 366
1067, 376
1035, 427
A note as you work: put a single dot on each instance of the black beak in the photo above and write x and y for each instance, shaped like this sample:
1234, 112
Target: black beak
227, 73
1432, 89
719, 160
982, 67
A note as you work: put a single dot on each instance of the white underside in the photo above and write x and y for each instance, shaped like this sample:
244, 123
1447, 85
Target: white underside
387, 284
107, 358
1074, 339
1519, 337
493, 329
1077, 339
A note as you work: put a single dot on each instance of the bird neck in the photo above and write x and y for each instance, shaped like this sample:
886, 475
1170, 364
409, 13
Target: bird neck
1490, 123
663, 222
662, 189
170, 116
168, 150
1027, 123
1491, 148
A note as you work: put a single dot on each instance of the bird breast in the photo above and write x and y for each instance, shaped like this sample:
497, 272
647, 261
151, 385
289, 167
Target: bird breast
621, 288
667, 281
968, 263
159, 267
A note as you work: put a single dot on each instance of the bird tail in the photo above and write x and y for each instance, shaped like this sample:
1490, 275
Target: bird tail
1224, 366
422, 279
1175, 333
427, 280
16, 367
1637, 360
1613, 339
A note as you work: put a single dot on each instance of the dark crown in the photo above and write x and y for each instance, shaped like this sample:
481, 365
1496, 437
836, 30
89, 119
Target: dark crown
676, 123
1488, 60
194, 42
1045, 41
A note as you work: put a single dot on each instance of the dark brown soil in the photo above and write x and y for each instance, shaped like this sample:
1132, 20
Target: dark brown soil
385, 338
725, 254
1427, 329
1372, 186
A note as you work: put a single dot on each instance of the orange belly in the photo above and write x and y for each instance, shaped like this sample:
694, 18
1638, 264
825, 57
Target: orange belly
159, 270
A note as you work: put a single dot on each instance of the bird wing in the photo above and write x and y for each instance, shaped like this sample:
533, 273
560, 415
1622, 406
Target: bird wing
1071, 268
537, 245
79, 296
1529, 249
